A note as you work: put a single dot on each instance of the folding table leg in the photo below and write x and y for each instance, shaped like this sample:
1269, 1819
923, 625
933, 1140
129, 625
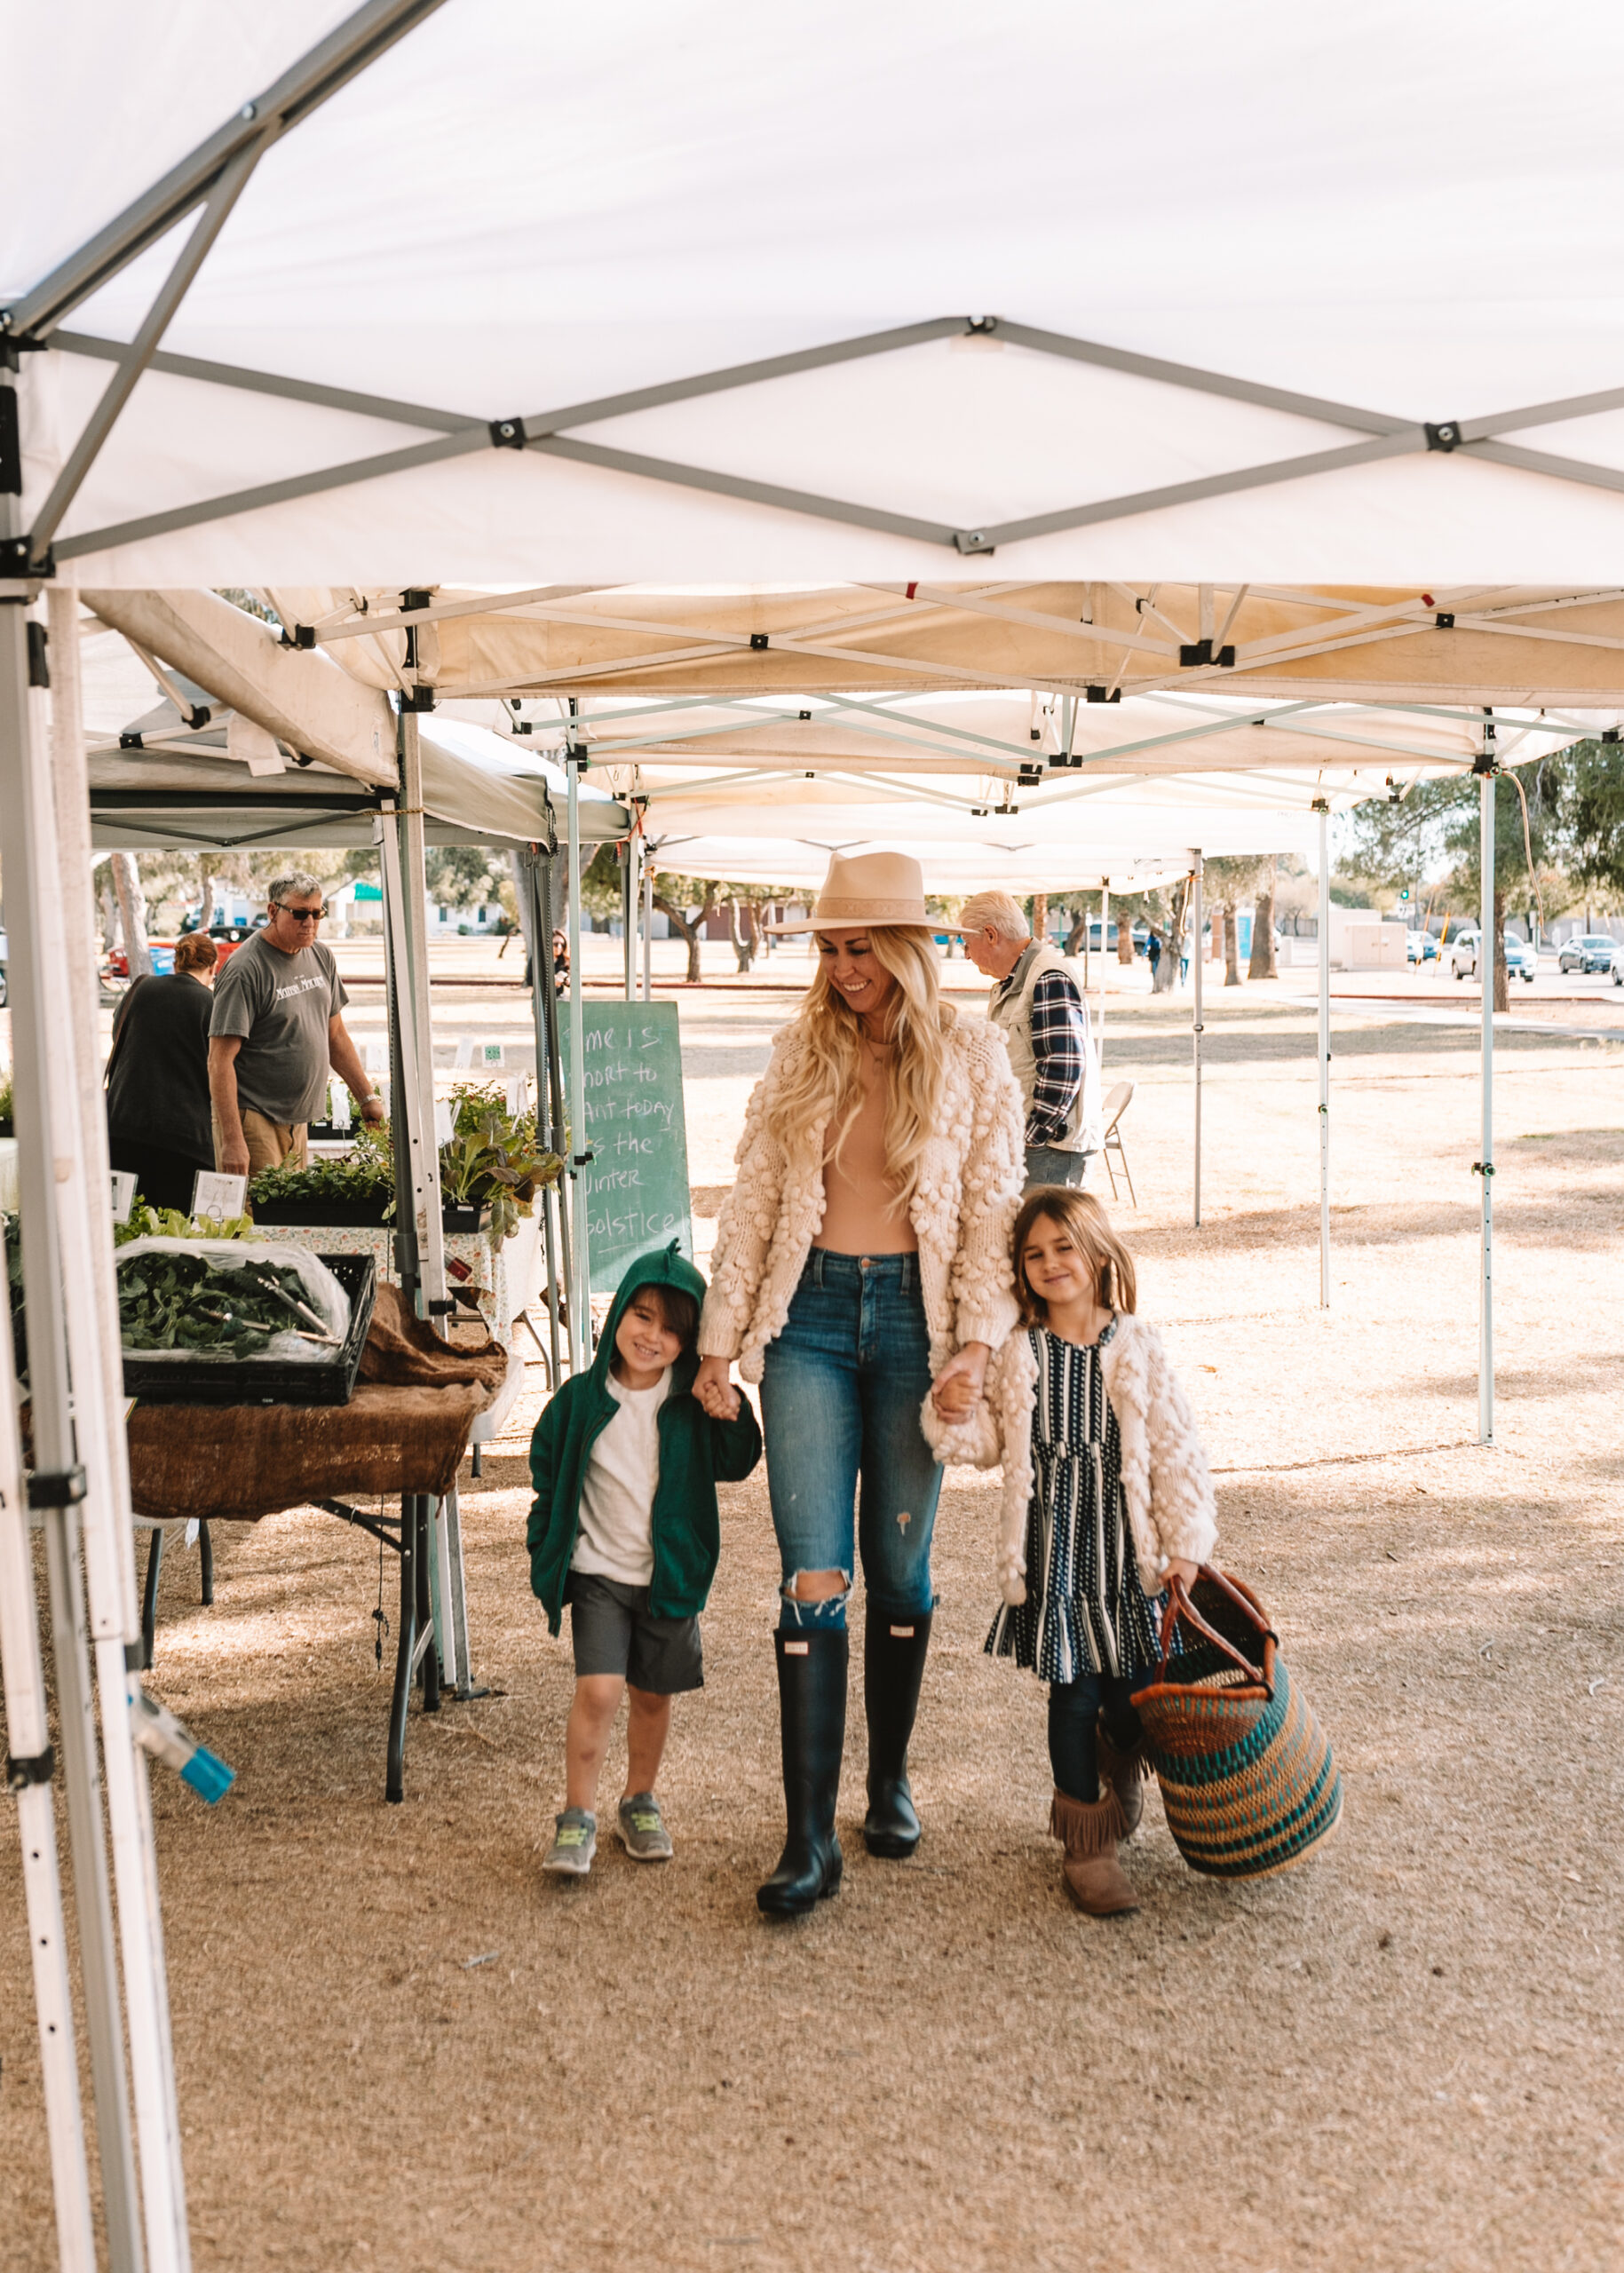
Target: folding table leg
425, 1612
149, 1598
406, 1645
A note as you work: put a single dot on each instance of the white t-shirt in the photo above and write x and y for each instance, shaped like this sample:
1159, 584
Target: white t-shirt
615, 1532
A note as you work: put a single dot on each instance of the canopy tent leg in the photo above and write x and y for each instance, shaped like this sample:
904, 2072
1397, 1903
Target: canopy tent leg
580, 1150
72, 1464
549, 1085
1322, 808
648, 928
632, 897
27, 1743
1195, 1033
1104, 965
1486, 945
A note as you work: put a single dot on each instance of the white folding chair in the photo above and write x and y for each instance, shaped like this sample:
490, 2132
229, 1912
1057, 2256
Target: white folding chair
1116, 1104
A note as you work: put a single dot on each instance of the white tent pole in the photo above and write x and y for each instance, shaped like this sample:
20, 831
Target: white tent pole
580, 1152
38, 1009
649, 926
1486, 945
1195, 1040
1322, 808
1105, 964
29, 1769
631, 899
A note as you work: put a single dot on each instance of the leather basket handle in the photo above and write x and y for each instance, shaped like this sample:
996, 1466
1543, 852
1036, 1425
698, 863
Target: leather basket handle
1179, 1605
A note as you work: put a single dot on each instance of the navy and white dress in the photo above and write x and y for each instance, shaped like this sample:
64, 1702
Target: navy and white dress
1086, 1609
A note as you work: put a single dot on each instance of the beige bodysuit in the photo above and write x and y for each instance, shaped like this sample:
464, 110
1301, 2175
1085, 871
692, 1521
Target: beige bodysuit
861, 1214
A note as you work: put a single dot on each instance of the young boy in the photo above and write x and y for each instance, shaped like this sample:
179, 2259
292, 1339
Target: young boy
625, 1529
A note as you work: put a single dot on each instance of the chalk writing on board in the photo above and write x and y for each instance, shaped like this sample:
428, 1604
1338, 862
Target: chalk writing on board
637, 1185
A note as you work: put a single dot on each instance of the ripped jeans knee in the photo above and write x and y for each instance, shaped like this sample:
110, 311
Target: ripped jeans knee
822, 1614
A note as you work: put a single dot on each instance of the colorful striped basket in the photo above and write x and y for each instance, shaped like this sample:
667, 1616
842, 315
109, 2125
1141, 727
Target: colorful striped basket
1246, 1776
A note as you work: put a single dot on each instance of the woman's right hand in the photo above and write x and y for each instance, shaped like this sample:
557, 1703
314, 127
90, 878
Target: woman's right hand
714, 1390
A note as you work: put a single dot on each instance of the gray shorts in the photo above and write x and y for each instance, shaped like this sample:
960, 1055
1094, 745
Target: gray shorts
612, 1632
1048, 1164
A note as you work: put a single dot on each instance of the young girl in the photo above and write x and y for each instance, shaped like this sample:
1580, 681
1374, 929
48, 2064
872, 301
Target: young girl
1107, 1497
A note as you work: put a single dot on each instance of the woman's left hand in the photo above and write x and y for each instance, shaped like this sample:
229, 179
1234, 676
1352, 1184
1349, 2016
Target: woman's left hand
957, 1390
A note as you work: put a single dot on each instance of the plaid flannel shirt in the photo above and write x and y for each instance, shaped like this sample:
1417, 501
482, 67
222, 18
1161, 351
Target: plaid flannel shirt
1059, 1039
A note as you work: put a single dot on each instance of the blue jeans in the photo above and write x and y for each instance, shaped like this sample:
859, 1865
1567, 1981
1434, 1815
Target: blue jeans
847, 1463
1048, 1164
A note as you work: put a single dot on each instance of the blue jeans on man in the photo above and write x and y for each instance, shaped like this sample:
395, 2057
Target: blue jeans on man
1048, 1164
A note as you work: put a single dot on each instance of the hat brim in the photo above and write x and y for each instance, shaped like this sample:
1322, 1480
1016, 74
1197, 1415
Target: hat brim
910, 922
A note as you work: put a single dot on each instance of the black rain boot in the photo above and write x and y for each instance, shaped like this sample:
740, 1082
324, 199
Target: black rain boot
811, 1705
893, 1666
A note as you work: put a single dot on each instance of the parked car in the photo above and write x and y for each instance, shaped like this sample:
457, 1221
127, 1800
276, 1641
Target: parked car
1521, 961
229, 936
1419, 946
163, 954
1591, 951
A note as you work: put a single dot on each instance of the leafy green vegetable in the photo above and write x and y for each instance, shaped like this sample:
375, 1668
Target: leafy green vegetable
366, 1173
493, 1160
170, 1301
145, 1222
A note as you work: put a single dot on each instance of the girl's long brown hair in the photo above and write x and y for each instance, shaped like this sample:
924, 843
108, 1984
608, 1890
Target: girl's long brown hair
1079, 1216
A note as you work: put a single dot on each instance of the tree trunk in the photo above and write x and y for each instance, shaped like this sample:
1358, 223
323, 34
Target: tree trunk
132, 910
683, 929
741, 933
1502, 986
111, 929
1039, 916
1231, 949
1124, 937
1264, 962
1079, 931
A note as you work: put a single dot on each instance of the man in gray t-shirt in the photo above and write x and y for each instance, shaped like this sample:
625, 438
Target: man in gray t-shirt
276, 1027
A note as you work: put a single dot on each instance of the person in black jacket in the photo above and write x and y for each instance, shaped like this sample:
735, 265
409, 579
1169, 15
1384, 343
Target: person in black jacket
158, 1127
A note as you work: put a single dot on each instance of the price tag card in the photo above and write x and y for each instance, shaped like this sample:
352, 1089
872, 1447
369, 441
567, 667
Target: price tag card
492, 1053
443, 1130
219, 1197
124, 1194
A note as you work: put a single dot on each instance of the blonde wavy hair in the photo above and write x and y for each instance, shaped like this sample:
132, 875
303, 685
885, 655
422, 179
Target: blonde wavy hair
825, 1084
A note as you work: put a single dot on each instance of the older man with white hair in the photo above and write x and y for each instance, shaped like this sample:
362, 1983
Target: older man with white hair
1037, 1003
276, 1027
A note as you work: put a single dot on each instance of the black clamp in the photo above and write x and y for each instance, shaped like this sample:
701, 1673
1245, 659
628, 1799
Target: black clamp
304, 635
1197, 652
56, 1487
1486, 765
15, 558
1483, 1168
1444, 621
1030, 776
759, 642
440, 1310
23, 1769
582, 1159
1446, 436
39, 669
1102, 694
507, 433
417, 698
971, 540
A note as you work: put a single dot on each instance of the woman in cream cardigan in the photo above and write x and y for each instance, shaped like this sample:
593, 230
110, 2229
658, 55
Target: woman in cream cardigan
862, 1263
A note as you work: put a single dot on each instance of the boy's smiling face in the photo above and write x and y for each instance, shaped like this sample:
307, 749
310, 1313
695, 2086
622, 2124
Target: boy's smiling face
645, 1345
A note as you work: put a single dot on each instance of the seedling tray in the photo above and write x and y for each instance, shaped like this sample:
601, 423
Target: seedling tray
265, 1381
342, 1211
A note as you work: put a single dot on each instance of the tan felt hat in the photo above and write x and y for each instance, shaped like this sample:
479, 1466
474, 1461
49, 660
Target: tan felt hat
870, 890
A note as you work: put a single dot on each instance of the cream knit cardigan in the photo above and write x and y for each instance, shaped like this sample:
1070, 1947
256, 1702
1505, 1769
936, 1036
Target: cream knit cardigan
1172, 1510
961, 1211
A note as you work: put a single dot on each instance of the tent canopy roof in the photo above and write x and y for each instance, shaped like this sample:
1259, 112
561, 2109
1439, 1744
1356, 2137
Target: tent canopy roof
771, 294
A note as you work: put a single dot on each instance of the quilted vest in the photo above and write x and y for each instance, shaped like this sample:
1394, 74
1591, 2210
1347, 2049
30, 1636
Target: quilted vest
1013, 1017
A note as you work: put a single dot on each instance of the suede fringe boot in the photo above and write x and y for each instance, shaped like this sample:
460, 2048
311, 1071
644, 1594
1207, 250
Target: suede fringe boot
1126, 1773
811, 1704
1090, 1830
893, 1666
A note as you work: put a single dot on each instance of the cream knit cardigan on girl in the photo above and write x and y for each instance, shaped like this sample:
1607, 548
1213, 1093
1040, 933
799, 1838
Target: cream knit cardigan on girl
961, 1211
1172, 1510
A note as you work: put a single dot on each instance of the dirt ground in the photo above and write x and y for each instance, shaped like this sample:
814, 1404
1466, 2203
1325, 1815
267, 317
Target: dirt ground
399, 2047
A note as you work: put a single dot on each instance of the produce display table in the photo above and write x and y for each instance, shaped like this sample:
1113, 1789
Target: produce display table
402, 1436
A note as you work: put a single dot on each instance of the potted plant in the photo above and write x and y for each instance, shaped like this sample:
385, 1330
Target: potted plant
356, 1190
492, 1168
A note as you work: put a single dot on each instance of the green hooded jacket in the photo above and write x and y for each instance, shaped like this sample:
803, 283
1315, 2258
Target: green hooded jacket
695, 1453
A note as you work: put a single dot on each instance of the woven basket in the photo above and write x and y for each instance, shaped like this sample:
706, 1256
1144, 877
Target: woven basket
1247, 1779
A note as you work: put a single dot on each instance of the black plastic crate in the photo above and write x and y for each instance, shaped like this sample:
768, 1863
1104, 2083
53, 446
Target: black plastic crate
265, 1381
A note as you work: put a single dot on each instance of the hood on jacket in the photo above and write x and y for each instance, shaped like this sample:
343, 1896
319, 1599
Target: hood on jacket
666, 1266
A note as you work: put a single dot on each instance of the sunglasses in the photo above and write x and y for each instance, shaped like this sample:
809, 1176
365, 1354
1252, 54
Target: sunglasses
301, 915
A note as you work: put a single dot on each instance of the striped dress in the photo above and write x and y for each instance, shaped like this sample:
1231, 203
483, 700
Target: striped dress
1086, 1609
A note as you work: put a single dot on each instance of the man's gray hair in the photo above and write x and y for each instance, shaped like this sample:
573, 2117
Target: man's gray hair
995, 911
296, 880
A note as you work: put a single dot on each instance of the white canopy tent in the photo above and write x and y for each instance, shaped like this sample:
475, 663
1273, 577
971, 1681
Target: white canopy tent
1288, 310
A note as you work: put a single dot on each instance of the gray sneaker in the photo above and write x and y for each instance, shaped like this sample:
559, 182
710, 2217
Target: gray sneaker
574, 1842
640, 1830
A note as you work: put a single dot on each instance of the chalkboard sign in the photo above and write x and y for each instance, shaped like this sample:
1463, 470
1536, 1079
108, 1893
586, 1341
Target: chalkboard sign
636, 1186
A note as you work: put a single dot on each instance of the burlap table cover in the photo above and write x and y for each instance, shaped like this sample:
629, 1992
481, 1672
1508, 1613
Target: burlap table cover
405, 1430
